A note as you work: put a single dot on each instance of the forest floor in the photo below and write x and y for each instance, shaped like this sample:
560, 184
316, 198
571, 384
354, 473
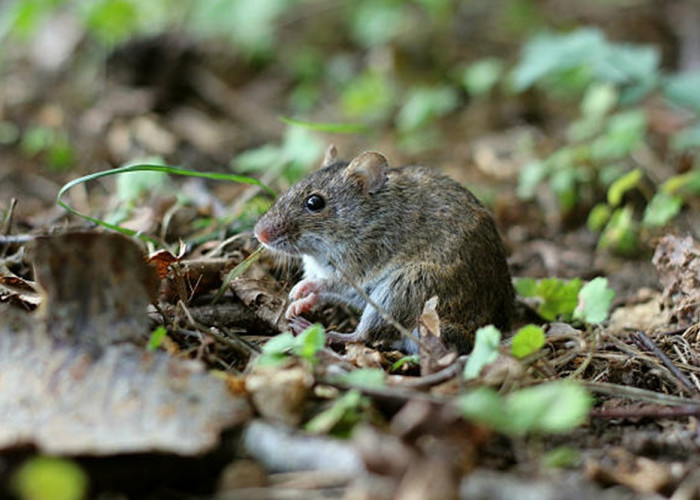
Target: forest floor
152, 419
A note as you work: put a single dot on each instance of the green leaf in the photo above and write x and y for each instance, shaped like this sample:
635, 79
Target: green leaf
485, 406
527, 287
486, 344
661, 209
625, 183
549, 54
598, 217
623, 134
364, 377
156, 338
412, 359
310, 341
561, 457
558, 298
682, 90
528, 340
594, 301
530, 178
369, 96
687, 184
376, 23
625, 64
36, 139
599, 100
251, 24
112, 21
553, 407
620, 234
686, 139
260, 159
424, 104
548, 408
43, 478
279, 344
563, 183
344, 408
480, 77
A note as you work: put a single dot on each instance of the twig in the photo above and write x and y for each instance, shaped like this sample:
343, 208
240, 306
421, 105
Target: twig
644, 340
16, 238
454, 368
646, 412
578, 373
636, 393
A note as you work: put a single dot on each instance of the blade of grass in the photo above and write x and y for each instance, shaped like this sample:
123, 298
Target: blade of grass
237, 271
141, 167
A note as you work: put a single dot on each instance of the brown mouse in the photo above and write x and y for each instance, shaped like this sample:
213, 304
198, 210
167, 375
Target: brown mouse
403, 235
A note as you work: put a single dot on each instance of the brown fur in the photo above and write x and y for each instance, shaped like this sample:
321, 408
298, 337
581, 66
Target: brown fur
403, 235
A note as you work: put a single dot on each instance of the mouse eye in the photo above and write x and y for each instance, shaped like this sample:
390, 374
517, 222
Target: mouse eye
314, 203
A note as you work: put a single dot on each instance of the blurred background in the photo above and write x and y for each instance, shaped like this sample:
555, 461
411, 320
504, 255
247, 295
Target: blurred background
577, 122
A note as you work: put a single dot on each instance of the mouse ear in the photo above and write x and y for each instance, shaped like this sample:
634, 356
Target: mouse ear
369, 168
330, 156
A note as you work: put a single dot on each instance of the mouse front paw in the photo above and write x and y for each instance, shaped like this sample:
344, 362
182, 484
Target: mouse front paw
297, 324
304, 288
301, 306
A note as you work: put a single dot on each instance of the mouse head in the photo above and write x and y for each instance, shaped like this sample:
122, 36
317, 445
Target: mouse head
324, 212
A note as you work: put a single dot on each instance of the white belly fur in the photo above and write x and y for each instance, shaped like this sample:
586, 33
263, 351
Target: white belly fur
313, 270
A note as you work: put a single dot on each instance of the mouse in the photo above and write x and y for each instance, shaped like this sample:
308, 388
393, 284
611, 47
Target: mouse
400, 235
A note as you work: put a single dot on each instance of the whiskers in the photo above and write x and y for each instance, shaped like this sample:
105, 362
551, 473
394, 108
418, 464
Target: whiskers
285, 267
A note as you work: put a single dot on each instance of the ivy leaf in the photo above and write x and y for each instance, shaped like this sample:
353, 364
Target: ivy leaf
528, 340
594, 301
488, 339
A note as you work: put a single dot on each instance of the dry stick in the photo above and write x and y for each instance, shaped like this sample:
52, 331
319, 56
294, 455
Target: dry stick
643, 356
685, 363
593, 346
16, 238
443, 375
385, 316
235, 341
643, 339
626, 391
646, 412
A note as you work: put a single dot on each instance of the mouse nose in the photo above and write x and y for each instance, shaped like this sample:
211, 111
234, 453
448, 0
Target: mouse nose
261, 233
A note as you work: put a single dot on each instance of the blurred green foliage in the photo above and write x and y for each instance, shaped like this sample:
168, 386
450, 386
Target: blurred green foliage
50, 478
389, 64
